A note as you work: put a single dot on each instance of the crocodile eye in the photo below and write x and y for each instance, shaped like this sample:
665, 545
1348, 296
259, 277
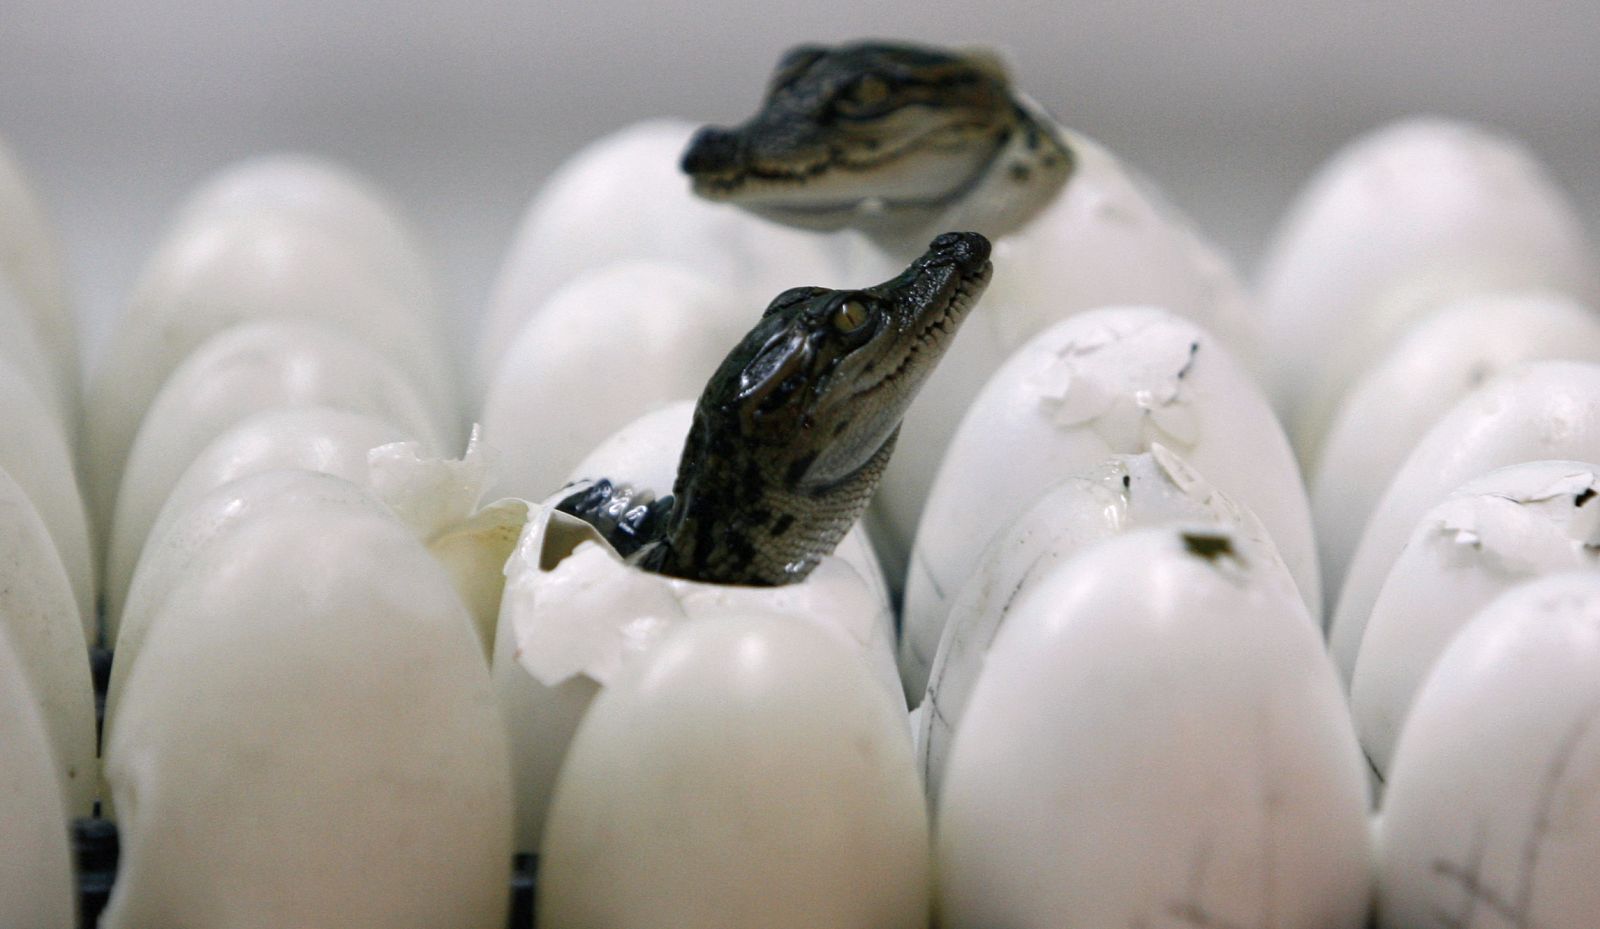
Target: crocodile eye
850, 316
866, 96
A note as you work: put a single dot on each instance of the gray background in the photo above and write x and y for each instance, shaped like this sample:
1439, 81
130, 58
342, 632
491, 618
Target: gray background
118, 108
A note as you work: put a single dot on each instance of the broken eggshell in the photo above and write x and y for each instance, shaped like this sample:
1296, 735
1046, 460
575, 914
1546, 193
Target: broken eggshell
1121, 494
1157, 736
1492, 812
1540, 411
1104, 382
36, 882
1437, 361
1506, 527
1403, 220
745, 771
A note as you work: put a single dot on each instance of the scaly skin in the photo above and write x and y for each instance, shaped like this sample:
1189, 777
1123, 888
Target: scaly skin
896, 140
793, 430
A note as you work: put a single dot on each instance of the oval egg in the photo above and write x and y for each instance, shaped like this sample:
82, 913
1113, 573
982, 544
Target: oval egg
31, 260
36, 885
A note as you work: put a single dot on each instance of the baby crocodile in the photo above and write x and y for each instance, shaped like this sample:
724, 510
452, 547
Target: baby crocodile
793, 430
896, 140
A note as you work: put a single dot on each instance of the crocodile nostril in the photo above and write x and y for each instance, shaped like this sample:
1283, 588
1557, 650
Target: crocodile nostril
967, 248
711, 151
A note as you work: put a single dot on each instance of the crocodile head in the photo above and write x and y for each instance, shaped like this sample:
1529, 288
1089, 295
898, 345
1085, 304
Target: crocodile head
872, 133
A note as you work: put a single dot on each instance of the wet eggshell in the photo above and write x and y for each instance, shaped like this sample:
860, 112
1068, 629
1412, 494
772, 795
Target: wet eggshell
273, 364
1401, 221
624, 197
1103, 382
242, 267
37, 454
39, 619
1157, 736
1492, 812
31, 260
1540, 411
1432, 365
745, 772
1512, 524
311, 438
1123, 493
309, 694
36, 882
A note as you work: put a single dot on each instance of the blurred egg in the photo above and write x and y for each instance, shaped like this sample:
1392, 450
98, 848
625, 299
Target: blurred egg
1122, 493
1494, 532
1157, 737
40, 620
307, 700
1402, 221
22, 349
36, 883
247, 369
1492, 812
1540, 411
1104, 382
31, 261
747, 771
1437, 360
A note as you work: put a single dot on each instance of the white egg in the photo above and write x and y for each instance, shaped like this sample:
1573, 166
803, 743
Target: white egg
1492, 813
37, 453
610, 345
309, 739
1107, 239
244, 267
1494, 532
1122, 493
745, 772
40, 620
30, 259
241, 371
22, 349
1157, 737
1540, 411
1437, 360
36, 884
1400, 222
1104, 382
311, 438
623, 197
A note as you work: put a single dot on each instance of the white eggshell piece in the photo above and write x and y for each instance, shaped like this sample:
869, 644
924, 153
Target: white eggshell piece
37, 454
1104, 382
1496, 531
244, 370
1108, 239
745, 772
612, 344
310, 694
624, 197
36, 884
1125, 492
1540, 411
244, 267
310, 438
1157, 738
1432, 365
1398, 223
30, 259
1491, 816
40, 620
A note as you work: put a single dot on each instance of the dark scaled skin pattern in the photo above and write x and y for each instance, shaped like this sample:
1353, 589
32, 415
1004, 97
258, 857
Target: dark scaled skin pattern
793, 430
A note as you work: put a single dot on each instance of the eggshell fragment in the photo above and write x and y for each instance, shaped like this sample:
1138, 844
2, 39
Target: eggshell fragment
37, 454
1432, 365
36, 885
40, 620
1491, 816
747, 771
30, 259
1403, 220
1540, 411
1512, 524
251, 368
1104, 382
1122, 493
1157, 737
309, 694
